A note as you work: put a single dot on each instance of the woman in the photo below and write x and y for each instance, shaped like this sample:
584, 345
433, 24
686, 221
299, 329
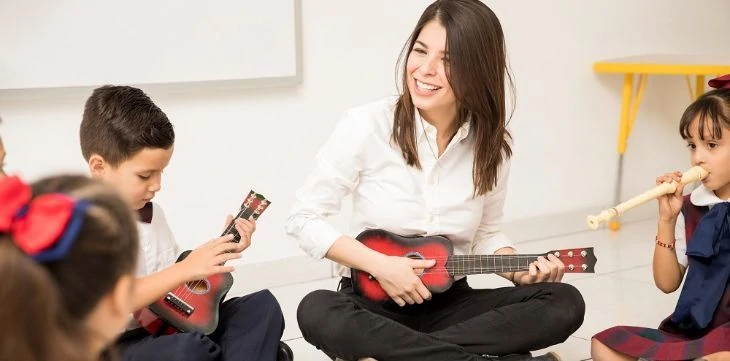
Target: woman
433, 161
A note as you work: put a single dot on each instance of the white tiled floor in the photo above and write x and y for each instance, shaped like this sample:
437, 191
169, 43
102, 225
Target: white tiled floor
620, 292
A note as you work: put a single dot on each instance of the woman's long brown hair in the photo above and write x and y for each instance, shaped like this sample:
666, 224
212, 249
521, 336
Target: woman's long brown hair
478, 73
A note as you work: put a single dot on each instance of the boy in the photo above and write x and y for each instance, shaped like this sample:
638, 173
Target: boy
128, 141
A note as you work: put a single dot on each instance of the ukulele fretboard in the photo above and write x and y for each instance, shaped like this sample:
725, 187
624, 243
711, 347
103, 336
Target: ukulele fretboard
476, 264
252, 206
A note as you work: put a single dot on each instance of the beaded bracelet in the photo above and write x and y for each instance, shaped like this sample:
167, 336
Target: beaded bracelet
665, 245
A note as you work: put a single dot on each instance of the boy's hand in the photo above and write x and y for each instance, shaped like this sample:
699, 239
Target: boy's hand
245, 228
208, 259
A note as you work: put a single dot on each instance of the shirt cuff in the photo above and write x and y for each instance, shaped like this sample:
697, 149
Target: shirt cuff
320, 237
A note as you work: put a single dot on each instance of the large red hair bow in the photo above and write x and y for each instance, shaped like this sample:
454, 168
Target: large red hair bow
45, 227
721, 82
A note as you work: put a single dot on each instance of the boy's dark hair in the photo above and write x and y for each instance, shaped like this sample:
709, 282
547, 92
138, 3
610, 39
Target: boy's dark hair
713, 107
120, 121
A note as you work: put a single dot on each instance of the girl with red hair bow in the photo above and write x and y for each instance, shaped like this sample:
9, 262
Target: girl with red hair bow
694, 238
68, 247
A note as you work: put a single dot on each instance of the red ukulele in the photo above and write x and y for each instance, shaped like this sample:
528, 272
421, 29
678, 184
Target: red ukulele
193, 306
440, 277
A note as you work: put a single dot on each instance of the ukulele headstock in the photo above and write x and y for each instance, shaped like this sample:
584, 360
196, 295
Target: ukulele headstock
577, 260
253, 205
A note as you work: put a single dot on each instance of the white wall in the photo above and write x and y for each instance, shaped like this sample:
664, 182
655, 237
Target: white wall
200, 42
565, 125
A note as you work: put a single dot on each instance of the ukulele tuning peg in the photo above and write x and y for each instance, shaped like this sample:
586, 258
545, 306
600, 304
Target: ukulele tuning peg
583, 253
571, 267
585, 267
557, 254
570, 254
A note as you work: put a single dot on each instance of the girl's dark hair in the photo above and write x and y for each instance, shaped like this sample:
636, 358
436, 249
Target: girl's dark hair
478, 73
712, 107
44, 305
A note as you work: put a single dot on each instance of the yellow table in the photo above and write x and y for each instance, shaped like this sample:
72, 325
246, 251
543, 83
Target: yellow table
655, 64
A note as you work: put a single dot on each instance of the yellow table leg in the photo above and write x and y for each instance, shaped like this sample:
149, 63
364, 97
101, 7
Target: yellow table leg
636, 102
623, 130
699, 86
628, 117
623, 135
689, 88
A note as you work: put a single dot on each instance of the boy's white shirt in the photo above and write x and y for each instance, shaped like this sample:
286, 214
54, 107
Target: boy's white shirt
157, 248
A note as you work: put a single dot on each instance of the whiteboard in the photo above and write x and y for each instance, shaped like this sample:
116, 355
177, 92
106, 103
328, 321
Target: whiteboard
71, 43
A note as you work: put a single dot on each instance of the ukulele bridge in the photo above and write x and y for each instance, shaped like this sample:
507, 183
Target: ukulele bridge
179, 305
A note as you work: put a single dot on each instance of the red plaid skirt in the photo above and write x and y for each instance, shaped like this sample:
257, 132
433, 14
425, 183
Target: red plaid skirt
654, 344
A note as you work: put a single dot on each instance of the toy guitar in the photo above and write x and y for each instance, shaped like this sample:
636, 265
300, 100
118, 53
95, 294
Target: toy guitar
193, 306
440, 277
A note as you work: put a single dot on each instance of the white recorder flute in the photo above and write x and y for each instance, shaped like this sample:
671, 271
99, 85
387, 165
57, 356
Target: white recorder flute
693, 174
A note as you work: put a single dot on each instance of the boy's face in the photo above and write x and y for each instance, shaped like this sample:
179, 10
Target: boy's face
137, 178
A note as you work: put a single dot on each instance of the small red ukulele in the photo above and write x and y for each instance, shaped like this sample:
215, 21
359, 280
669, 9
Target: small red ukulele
440, 277
193, 306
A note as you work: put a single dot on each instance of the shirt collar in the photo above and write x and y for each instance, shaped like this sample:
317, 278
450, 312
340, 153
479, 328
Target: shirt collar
425, 127
704, 197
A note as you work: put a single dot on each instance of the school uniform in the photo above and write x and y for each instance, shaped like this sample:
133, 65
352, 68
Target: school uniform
700, 324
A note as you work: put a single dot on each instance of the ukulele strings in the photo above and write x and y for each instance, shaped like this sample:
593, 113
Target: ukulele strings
188, 288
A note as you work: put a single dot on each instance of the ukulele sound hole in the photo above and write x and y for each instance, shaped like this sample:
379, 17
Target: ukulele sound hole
416, 255
198, 287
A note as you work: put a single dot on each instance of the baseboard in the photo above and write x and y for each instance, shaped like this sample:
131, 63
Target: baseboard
562, 224
250, 277
256, 276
